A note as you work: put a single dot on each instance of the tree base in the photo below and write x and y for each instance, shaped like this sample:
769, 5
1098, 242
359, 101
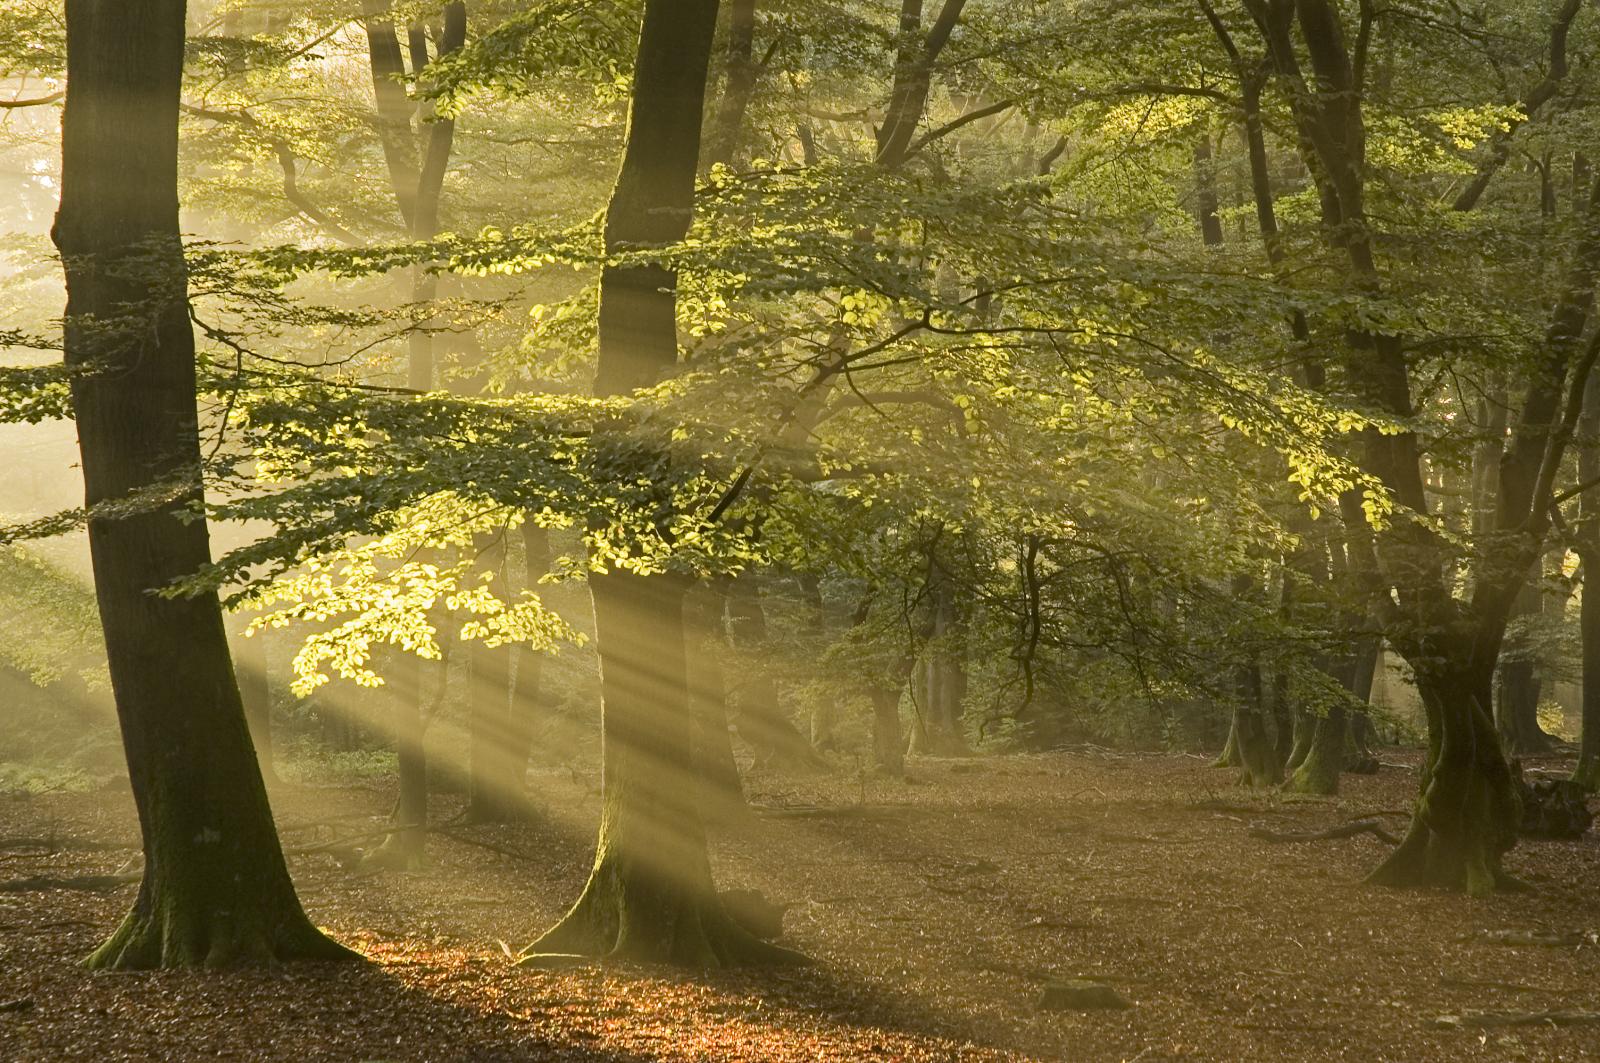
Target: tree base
397, 853
636, 919
1426, 859
149, 942
1587, 773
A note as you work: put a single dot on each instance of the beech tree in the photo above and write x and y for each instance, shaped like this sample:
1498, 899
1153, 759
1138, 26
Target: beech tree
650, 895
215, 890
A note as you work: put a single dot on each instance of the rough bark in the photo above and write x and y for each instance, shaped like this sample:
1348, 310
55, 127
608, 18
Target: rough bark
215, 889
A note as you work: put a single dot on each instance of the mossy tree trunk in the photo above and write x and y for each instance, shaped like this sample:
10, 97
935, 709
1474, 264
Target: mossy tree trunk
650, 895
1466, 819
216, 890
1467, 816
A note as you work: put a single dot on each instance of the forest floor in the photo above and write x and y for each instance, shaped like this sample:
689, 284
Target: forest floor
937, 910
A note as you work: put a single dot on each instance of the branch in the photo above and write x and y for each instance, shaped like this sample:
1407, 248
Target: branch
1540, 94
37, 101
951, 126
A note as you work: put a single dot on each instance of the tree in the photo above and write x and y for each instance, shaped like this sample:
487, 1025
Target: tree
216, 889
650, 894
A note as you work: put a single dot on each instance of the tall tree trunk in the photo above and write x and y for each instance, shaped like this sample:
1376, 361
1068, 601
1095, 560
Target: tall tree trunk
416, 180
937, 726
216, 890
1516, 710
761, 720
728, 127
650, 895
1205, 184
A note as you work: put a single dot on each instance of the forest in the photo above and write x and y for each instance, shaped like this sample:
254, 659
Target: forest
621, 530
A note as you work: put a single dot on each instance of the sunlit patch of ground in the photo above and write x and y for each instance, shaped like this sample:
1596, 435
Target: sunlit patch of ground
937, 909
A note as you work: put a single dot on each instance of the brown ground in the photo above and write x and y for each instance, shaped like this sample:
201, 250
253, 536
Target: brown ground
936, 914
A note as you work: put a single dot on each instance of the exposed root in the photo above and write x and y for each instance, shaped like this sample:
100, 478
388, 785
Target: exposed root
654, 922
148, 942
1347, 830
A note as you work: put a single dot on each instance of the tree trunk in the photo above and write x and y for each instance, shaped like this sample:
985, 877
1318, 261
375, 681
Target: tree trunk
1205, 184
825, 710
761, 720
650, 895
1587, 535
937, 726
216, 890
1516, 708
888, 741
743, 70
1467, 818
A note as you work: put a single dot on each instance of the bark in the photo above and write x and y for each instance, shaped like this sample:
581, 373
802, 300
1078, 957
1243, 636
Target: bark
1467, 817
1319, 768
743, 71
416, 186
888, 741
650, 895
1205, 182
1518, 688
913, 77
215, 890
1587, 540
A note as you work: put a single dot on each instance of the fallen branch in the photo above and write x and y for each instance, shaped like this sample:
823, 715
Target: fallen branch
1485, 1020
1549, 938
57, 844
90, 883
1347, 830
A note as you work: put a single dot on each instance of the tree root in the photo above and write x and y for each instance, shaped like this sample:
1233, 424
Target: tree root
148, 942
653, 923
1346, 830
88, 883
